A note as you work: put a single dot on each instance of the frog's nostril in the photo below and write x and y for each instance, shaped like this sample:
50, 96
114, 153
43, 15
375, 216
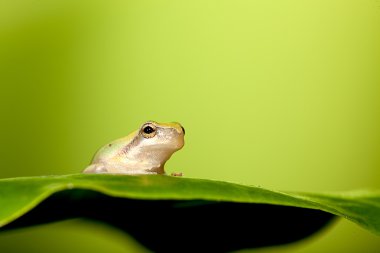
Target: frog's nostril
183, 129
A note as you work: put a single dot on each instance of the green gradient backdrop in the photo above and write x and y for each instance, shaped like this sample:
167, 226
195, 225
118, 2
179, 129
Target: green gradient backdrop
281, 94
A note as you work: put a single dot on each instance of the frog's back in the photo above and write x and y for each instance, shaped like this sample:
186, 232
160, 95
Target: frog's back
110, 150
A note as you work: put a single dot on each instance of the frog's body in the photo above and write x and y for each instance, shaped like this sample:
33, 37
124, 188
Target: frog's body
144, 151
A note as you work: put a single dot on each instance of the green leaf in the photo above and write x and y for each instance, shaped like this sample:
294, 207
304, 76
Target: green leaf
169, 213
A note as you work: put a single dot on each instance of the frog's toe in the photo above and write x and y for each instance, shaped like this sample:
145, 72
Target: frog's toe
177, 174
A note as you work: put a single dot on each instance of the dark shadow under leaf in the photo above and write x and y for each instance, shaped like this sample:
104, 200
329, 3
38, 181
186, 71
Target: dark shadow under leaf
183, 225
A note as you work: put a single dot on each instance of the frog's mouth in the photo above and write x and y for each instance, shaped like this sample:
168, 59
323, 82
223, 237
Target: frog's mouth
168, 148
180, 142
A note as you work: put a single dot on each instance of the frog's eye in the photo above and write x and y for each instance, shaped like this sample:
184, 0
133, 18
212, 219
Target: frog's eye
148, 131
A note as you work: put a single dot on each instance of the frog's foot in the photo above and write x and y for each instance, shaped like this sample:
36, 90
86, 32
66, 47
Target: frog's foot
177, 174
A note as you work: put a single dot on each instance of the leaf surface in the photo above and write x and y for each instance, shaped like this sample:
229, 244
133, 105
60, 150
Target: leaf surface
170, 213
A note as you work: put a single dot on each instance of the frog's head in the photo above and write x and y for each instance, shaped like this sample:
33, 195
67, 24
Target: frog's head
164, 136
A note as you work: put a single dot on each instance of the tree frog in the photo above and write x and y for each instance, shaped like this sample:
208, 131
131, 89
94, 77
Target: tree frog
144, 151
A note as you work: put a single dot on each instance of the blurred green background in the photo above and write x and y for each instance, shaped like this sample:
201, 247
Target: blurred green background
281, 94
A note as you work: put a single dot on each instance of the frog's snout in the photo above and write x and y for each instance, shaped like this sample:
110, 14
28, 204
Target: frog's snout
178, 127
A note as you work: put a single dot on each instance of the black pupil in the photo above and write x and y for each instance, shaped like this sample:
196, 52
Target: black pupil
148, 130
